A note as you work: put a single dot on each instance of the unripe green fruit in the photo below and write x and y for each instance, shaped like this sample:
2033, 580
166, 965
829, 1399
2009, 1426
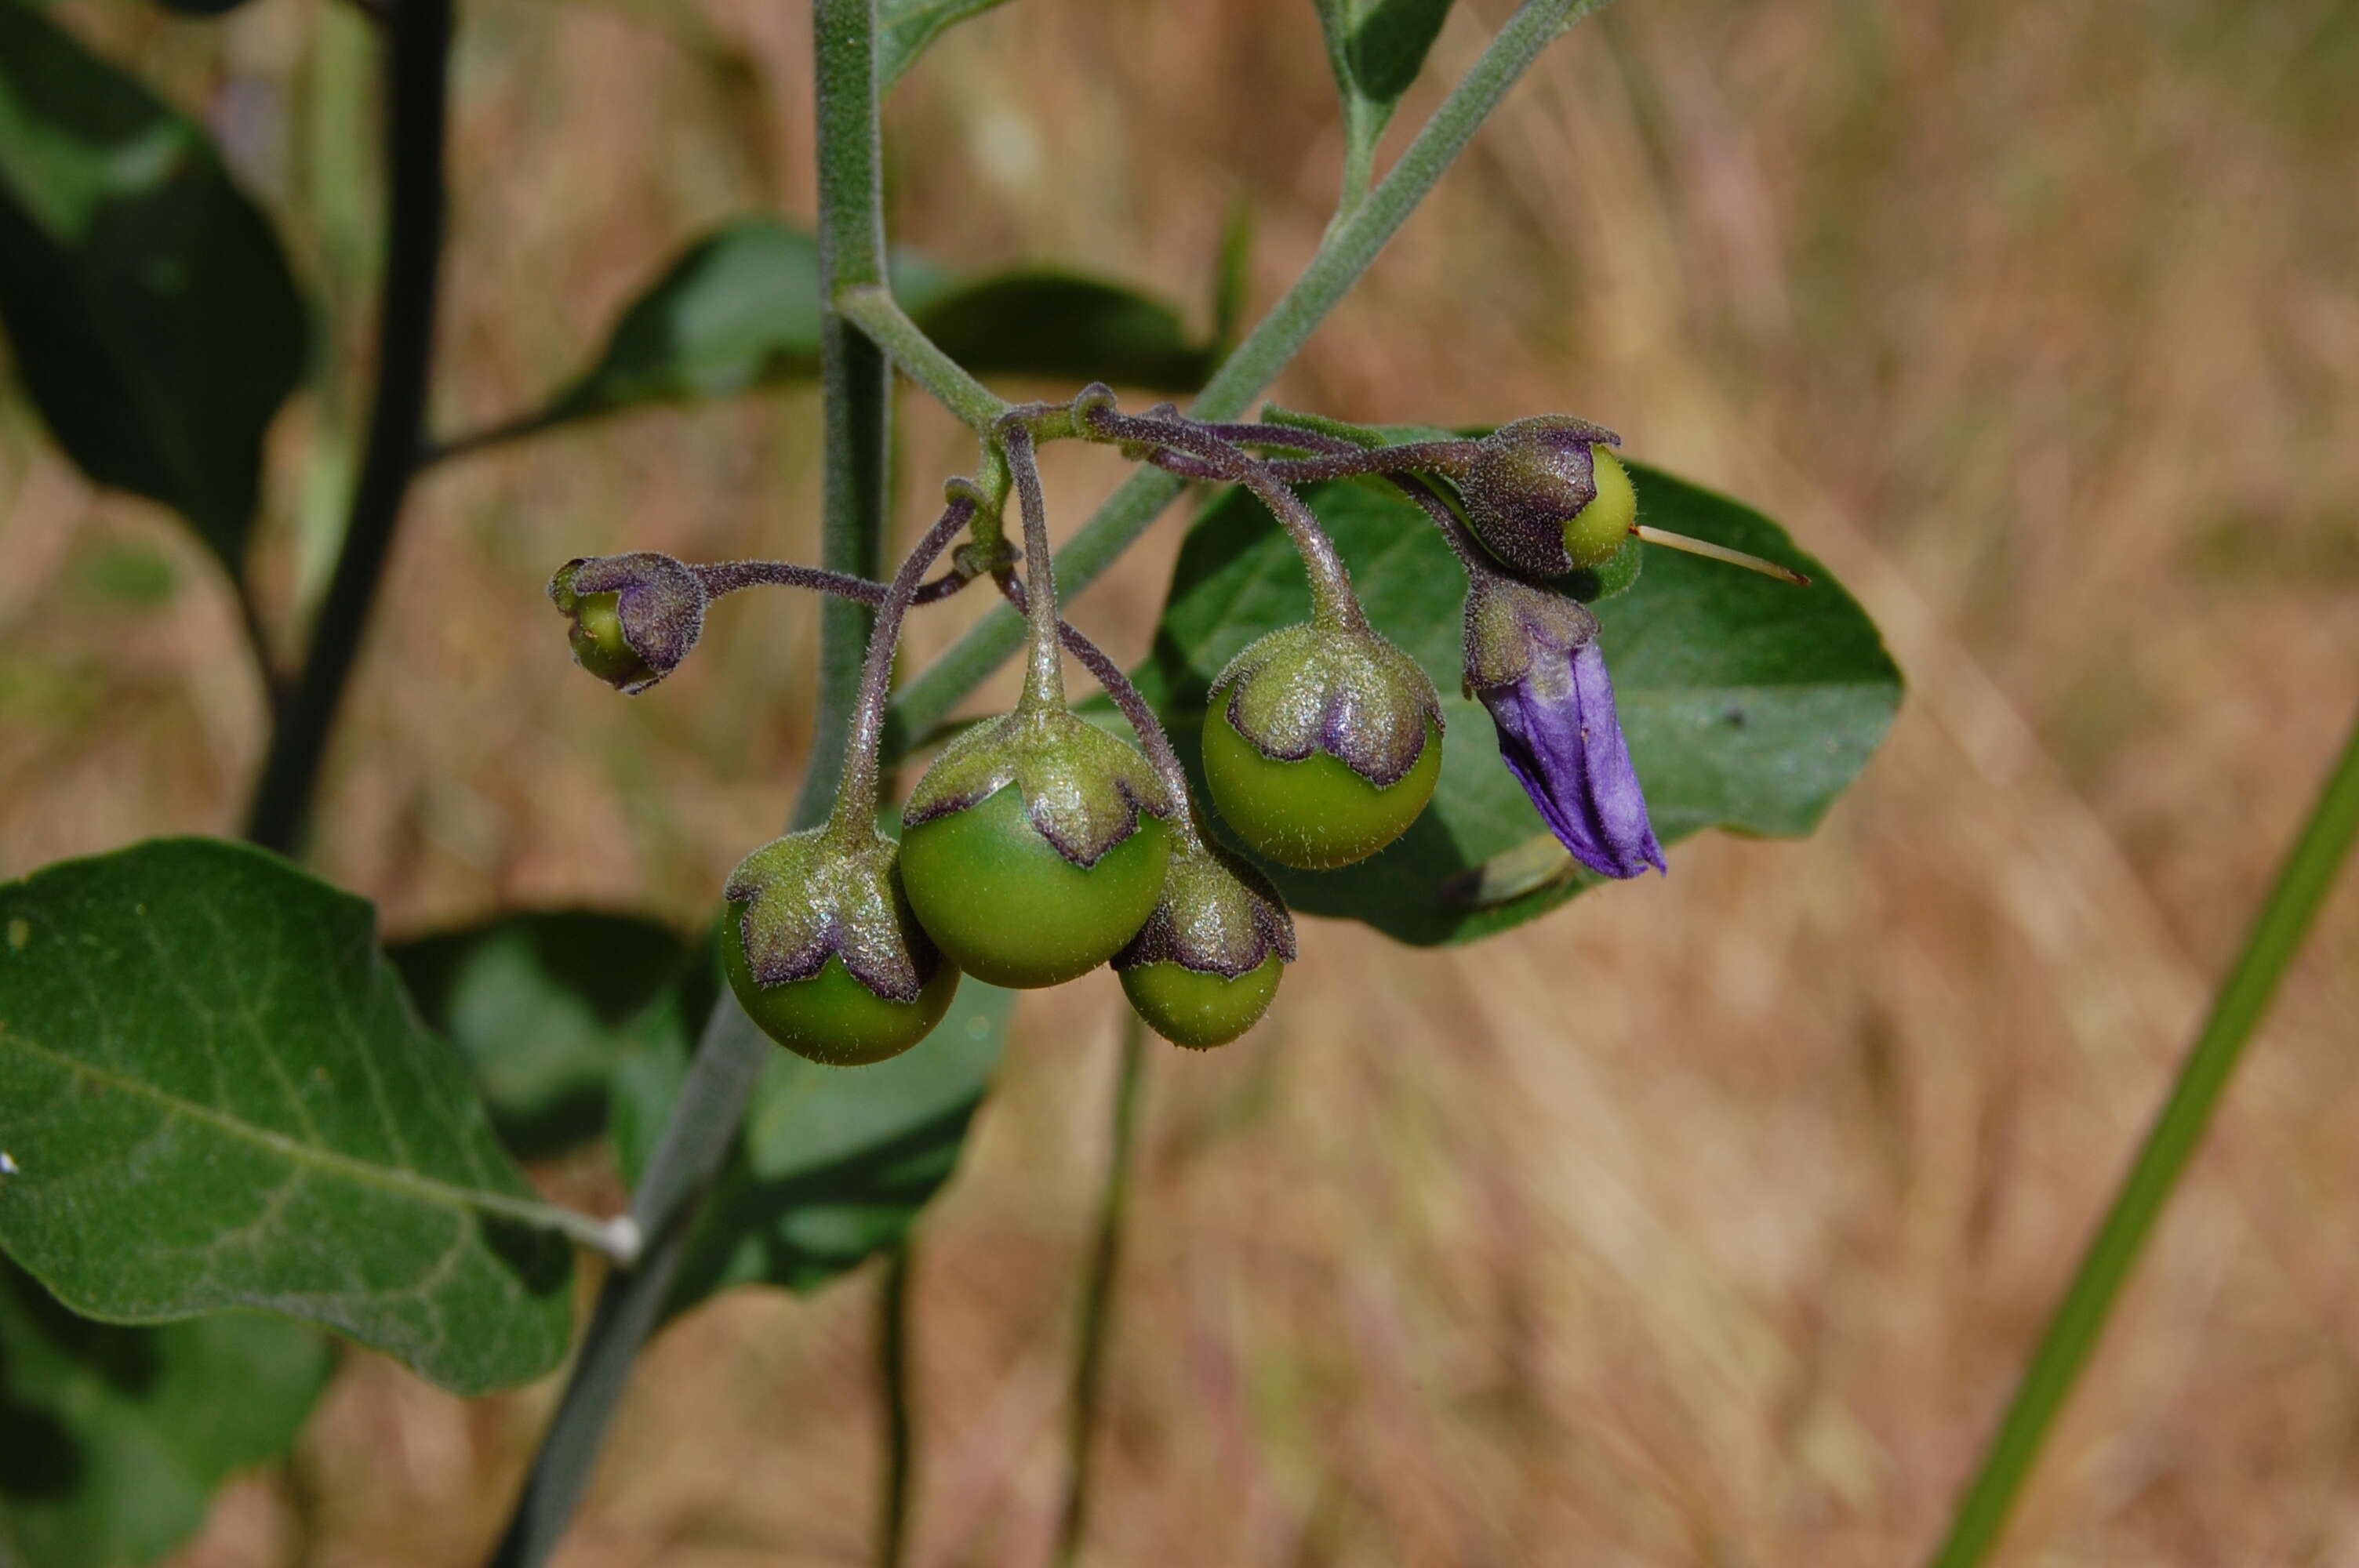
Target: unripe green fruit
1593, 534
1197, 1010
1315, 814
1005, 906
832, 1018
599, 643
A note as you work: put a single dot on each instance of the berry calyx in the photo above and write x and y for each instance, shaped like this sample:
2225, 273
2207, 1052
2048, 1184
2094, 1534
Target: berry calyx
1035, 847
827, 956
1323, 744
1203, 968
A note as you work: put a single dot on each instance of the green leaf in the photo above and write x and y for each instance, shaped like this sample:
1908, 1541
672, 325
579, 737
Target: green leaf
117, 1437
1375, 48
833, 1163
542, 1005
1064, 326
151, 311
215, 1094
904, 28
740, 309
1748, 703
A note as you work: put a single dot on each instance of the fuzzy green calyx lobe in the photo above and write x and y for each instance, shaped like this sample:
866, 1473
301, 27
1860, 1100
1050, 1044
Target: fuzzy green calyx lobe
811, 897
1344, 691
1082, 790
1218, 915
1508, 623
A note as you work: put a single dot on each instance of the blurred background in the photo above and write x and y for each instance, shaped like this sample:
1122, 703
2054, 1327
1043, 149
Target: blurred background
1707, 1220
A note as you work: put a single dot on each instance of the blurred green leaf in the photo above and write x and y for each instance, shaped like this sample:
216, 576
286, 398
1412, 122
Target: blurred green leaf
1060, 325
833, 1165
1749, 704
1375, 48
904, 28
741, 309
216, 1094
542, 1004
151, 310
113, 1439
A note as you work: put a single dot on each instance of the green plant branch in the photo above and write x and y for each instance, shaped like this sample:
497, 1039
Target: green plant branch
417, 110
2243, 999
893, 1374
874, 311
854, 382
1350, 244
1097, 1292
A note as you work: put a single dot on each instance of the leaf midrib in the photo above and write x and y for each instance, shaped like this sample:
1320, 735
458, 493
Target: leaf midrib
391, 1178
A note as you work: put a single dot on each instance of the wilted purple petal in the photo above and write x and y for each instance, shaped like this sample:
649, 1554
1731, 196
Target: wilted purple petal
1560, 738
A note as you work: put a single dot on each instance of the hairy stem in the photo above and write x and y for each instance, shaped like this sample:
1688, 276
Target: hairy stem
874, 311
2242, 1000
1097, 1291
732, 1053
417, 110
1331, 581
1344, 252
1152, 737
1044, 676
854, 815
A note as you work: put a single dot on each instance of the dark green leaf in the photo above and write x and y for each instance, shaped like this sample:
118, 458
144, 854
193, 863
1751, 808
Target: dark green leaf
1375, 48
114, 1438
215, 1094
741, 309
1748, 703
833, 1163
152, 317
542, 1005
904, 28
1068, 328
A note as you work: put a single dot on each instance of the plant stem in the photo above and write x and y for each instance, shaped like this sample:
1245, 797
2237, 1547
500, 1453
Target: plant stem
416, 102
731, 1055
1153, 739
1331, 582
893, 1370
874, 311
854, 814
2243, 999
1349, 245
1097, 1291
1044, 675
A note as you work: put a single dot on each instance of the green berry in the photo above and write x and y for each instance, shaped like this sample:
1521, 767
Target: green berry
1008, 907
1315, 814
599, 646
1199, 1010
1593, 534
833, 1019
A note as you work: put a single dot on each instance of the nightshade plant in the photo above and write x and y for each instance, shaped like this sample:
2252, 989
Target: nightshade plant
218, 1091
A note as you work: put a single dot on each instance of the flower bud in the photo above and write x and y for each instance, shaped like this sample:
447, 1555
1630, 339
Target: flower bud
1533, 658
634, 616
1547, 497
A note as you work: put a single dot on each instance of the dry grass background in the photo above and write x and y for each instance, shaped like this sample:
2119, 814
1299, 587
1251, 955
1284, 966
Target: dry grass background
1706, 1221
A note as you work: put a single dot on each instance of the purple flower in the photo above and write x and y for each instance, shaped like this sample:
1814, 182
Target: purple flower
1534, 660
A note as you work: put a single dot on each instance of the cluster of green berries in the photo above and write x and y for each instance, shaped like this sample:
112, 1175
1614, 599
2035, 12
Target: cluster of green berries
1038, 846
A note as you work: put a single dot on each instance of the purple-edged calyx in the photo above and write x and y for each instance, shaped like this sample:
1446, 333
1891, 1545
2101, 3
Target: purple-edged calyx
1533, 658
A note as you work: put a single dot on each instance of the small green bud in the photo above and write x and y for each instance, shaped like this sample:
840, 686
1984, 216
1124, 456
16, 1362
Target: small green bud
1547, 497
634, 616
